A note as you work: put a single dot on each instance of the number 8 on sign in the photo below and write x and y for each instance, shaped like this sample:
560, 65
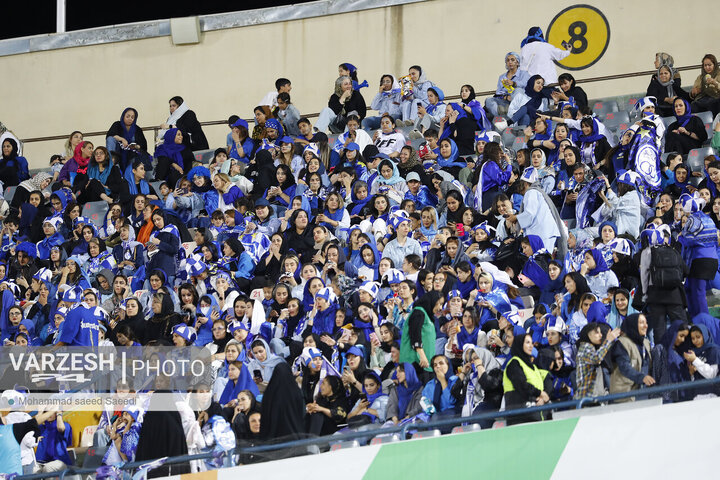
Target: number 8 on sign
586, 29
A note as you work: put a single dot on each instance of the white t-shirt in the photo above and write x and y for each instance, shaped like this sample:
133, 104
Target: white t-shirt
390, 143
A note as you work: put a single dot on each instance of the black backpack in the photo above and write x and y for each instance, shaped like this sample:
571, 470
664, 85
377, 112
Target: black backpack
666, 267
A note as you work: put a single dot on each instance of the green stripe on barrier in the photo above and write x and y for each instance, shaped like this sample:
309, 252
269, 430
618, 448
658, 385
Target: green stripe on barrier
524, 451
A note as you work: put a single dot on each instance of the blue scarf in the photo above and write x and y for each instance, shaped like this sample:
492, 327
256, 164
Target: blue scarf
536, 98
451, 161
144, 187
372, 397
404, 393
684, 119
171, 149
244, 382
594, 136
600, 264
464, 337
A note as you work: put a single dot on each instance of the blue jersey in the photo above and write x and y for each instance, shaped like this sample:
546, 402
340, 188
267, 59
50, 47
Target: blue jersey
81, 327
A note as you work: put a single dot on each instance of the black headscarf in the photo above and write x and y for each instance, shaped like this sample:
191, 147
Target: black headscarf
283, 408
428, 301
517, 349
630, 328
235, 244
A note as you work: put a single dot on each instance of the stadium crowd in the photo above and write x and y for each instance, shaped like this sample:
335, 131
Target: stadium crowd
371, 281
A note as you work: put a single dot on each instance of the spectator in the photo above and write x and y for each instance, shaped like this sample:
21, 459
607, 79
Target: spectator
184, 120
524, 383
507, 83
343, 102
537, 56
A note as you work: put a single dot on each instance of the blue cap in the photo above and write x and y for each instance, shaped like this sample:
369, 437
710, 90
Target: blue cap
287, 139
352, 146
240, 123
355, 351
188, 333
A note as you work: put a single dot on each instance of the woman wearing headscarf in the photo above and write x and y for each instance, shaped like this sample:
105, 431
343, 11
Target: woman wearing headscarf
538, 56
593, 145
593, 345
184, 119
105, 181
418, 335
527, 103
239, 378
330, 408
546, 173
493, 175
387, 100
457, 125
77, 165
598, 275
404, 399
632, 357
174, 158
164, 242
162, 435
126, 138
37, 183
703, 359
523, 382
480, 383
669, 366
415, 95
686, 132
507, 83
283, 408
299, 236
666, 88
439, 391
263, 361
705, 93
13, 168
164, 318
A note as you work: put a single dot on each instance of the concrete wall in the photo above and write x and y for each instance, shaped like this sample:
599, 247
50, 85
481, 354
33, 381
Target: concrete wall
456, 42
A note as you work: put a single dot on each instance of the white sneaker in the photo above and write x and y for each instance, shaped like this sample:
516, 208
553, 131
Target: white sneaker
415, 134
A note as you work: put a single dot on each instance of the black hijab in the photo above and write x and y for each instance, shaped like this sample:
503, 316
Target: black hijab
428, 301
630, 328
283, 408
162, 435
517, 349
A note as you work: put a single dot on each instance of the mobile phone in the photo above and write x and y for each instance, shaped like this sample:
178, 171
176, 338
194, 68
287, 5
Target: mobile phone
374, 337
565, 44
257, 374
460, 228
363, 397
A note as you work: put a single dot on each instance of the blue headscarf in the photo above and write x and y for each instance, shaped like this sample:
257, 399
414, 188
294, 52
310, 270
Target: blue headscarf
712, 324
600, 264
709, 351
441, 96
275, 124
451, 161
684, 119
535, 34
594, 136
536, 98
308, 300
171, 149
372, 397
244, 382
404, 393
597, 312
395, 178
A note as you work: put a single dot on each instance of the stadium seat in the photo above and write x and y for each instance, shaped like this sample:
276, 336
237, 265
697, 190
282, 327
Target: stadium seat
695, 181
668, 120
387, 438
706, 117
614, 119
602, 107
86, 439
426, 434
343, 445
630, 104
709, 131
96, 212
204, 156
508, 137
9, 193
518, 143
696, 157
94, 456
528, 301
473, 427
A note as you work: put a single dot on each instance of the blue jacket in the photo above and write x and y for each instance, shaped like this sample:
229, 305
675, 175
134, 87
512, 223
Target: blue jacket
447, 401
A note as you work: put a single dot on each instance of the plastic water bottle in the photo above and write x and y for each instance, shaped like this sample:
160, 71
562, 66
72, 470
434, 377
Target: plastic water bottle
427, 406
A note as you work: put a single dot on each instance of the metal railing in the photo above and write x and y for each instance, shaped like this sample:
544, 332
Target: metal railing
156, 128
403, 429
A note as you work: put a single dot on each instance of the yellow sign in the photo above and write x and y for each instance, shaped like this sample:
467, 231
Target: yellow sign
586, 29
